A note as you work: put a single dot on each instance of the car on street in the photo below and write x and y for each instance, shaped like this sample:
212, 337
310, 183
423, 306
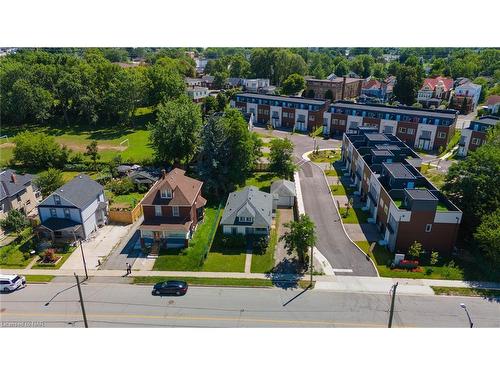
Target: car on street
9, 283
172, 287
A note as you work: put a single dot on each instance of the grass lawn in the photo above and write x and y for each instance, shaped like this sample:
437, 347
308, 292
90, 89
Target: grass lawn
126, 201
189, 259
13, 255
261, 180
262, 263
331, 172
38, 278
69, 175
339, 189
208, 281
380, 254
224, 259
468, 292
64, 256
327, 156
355, 216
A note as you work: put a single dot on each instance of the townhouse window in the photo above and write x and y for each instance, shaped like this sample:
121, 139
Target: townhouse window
428, 227
1, 207
335, 121
402, 130
410, 131
386, 209
175, 210
341, 122
476, 141
441, 135
66, 213
311, 117
53, 212
157, 210
57, 199
18, 197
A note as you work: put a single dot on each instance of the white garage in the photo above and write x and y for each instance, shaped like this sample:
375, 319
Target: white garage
284, 193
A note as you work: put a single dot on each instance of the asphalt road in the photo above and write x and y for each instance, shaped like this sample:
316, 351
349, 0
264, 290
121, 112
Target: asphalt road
119, 305
332, 241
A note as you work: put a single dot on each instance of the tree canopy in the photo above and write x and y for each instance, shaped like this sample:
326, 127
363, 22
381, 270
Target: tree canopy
293, 84
280, 157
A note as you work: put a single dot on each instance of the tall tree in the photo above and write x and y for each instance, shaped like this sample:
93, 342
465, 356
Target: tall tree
407, 84
38, 150
239, 66
293, 84
342, 68
175, 135
48, 181
281, 152
92, 151
300, 237
487, 236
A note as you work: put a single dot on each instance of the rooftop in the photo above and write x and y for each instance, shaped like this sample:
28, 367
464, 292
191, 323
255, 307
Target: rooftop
445, 113
292, 99
398, 170
421, 194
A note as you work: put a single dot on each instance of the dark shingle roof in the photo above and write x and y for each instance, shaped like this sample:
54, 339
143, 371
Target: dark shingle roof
9, 188
252, 202
81, 191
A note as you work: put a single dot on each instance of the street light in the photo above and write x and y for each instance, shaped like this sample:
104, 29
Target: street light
462, 305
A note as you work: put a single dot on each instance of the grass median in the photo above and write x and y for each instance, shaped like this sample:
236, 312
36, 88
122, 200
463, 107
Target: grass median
38, 278
207, 281
467, 292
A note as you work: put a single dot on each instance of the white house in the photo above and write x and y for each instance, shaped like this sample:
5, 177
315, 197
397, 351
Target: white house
471, 90
75, 210
284, 193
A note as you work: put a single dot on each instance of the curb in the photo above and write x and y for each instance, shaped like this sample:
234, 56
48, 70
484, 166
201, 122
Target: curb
338, 212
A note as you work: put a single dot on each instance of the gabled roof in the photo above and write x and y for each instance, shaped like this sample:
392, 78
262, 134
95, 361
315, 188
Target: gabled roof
467, 85
249, 202
492, 100
185, 190
8, 188
433, 82
372, 84
283, 188
80, 191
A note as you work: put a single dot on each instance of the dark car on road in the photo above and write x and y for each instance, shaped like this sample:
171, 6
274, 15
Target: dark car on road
175, 287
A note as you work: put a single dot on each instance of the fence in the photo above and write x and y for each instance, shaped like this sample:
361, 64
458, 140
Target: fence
126, 217
212, 235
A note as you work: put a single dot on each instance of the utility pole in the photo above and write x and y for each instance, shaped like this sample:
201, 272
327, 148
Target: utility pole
81, 302
84, 262
312, 249
391, 313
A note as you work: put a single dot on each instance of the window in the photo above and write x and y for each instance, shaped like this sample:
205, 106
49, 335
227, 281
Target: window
402, 130
335, 121
386, 209
428, 227
244, 219
157, 210
341, 122
311, 117
167, 193
57, 199
411, 131
66, 213
441, 135
175, 210
476, 141
53, 212
28, 202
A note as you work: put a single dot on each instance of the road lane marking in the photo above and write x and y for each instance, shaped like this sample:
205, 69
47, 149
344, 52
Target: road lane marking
191, 318
342, 270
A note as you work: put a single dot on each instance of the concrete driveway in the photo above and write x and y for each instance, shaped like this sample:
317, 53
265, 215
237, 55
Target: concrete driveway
105, 241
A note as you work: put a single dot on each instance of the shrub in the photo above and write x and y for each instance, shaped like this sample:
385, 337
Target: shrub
260, 244
15, 221
77, 158
233, 241
121, 187
49, 256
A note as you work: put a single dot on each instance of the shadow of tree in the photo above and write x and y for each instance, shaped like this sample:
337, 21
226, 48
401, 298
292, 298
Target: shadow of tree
286, 274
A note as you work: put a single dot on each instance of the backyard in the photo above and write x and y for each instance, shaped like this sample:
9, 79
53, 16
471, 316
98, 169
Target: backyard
261, 180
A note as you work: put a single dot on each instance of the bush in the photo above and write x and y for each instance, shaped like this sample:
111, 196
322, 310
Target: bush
15, 221
260, 244
233, 241
49, 256
77, 158
121, 187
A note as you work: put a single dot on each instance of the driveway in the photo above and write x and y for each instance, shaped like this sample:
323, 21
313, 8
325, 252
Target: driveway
98, 248
332, 241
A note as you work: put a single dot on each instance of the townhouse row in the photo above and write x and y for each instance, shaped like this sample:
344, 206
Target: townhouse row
405, 206
420, 128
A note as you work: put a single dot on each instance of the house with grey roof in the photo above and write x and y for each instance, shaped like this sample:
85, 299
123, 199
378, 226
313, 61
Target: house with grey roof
17, 192
75, 210
249, 211
284, 193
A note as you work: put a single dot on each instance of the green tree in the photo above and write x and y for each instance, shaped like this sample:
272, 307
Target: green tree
38, 150
362, 65
209, 104
293, 84
164, 84
49, 180
300, 237
239, 66
175, 135
92, 151
415, 250
487, 236
407, 85
342, 68
280, 157
220, 79
15, 221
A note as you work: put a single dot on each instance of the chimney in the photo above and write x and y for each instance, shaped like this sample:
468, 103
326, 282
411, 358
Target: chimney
163, 173
13, 178
343, 88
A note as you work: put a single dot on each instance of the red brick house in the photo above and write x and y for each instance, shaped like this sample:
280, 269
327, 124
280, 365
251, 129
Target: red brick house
172, 209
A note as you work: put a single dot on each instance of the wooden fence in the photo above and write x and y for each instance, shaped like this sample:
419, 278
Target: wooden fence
125, 217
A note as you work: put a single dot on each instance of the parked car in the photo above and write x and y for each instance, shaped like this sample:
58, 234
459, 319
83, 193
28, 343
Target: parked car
178, 288
9, 283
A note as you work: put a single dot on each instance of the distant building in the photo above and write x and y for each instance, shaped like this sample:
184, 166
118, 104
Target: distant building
258, 85
474, 135
493, 104
201, 64
197, 93
466, 97
284, 193
333, 89
435, 90
374, 88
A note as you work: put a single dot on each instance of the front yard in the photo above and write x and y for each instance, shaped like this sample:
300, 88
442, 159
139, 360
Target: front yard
17, 254
264, 262
227, 254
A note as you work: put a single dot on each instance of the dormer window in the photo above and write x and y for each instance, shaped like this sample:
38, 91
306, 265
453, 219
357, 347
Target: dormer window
245, 219
57, 199
166, 193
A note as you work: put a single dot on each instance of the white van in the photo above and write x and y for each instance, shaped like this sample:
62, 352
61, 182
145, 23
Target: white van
9, 283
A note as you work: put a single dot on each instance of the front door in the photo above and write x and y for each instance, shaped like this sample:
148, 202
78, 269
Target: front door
157, 236
423, 144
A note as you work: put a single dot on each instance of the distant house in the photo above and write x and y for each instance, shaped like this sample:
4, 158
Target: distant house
435, 90
143, 178
75, 210
374, 88
474, 135
258, 85
197, 93
234, 82
283, 192
17, 192
493, 104
466, 97
172, 209
249, 211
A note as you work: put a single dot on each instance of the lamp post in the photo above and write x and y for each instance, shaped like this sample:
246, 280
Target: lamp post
462, 305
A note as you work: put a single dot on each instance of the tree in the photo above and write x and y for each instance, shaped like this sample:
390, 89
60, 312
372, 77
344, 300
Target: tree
209, 104
15, 221
281, 152
220, 79
487, 236
415, 250
379, 71
328, 94
35, 150
293, 84
239, 66
300, 237
342, 68
165, 84
228, 152
92, 151
49, 180
175, 135
407, 85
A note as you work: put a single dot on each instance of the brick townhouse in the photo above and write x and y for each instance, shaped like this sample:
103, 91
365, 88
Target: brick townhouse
336, 88
298, 113
475, 134
424, 129
404, 205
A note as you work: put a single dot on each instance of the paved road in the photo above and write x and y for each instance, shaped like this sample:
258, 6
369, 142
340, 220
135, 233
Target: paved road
333, 243
118, 305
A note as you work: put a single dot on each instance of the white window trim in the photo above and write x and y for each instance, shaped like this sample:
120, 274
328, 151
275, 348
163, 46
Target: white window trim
175, 211
428, 228
158, 211
410, 131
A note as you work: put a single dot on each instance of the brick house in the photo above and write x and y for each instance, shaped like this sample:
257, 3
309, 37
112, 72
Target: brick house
474, 135
172, 209
435, 90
